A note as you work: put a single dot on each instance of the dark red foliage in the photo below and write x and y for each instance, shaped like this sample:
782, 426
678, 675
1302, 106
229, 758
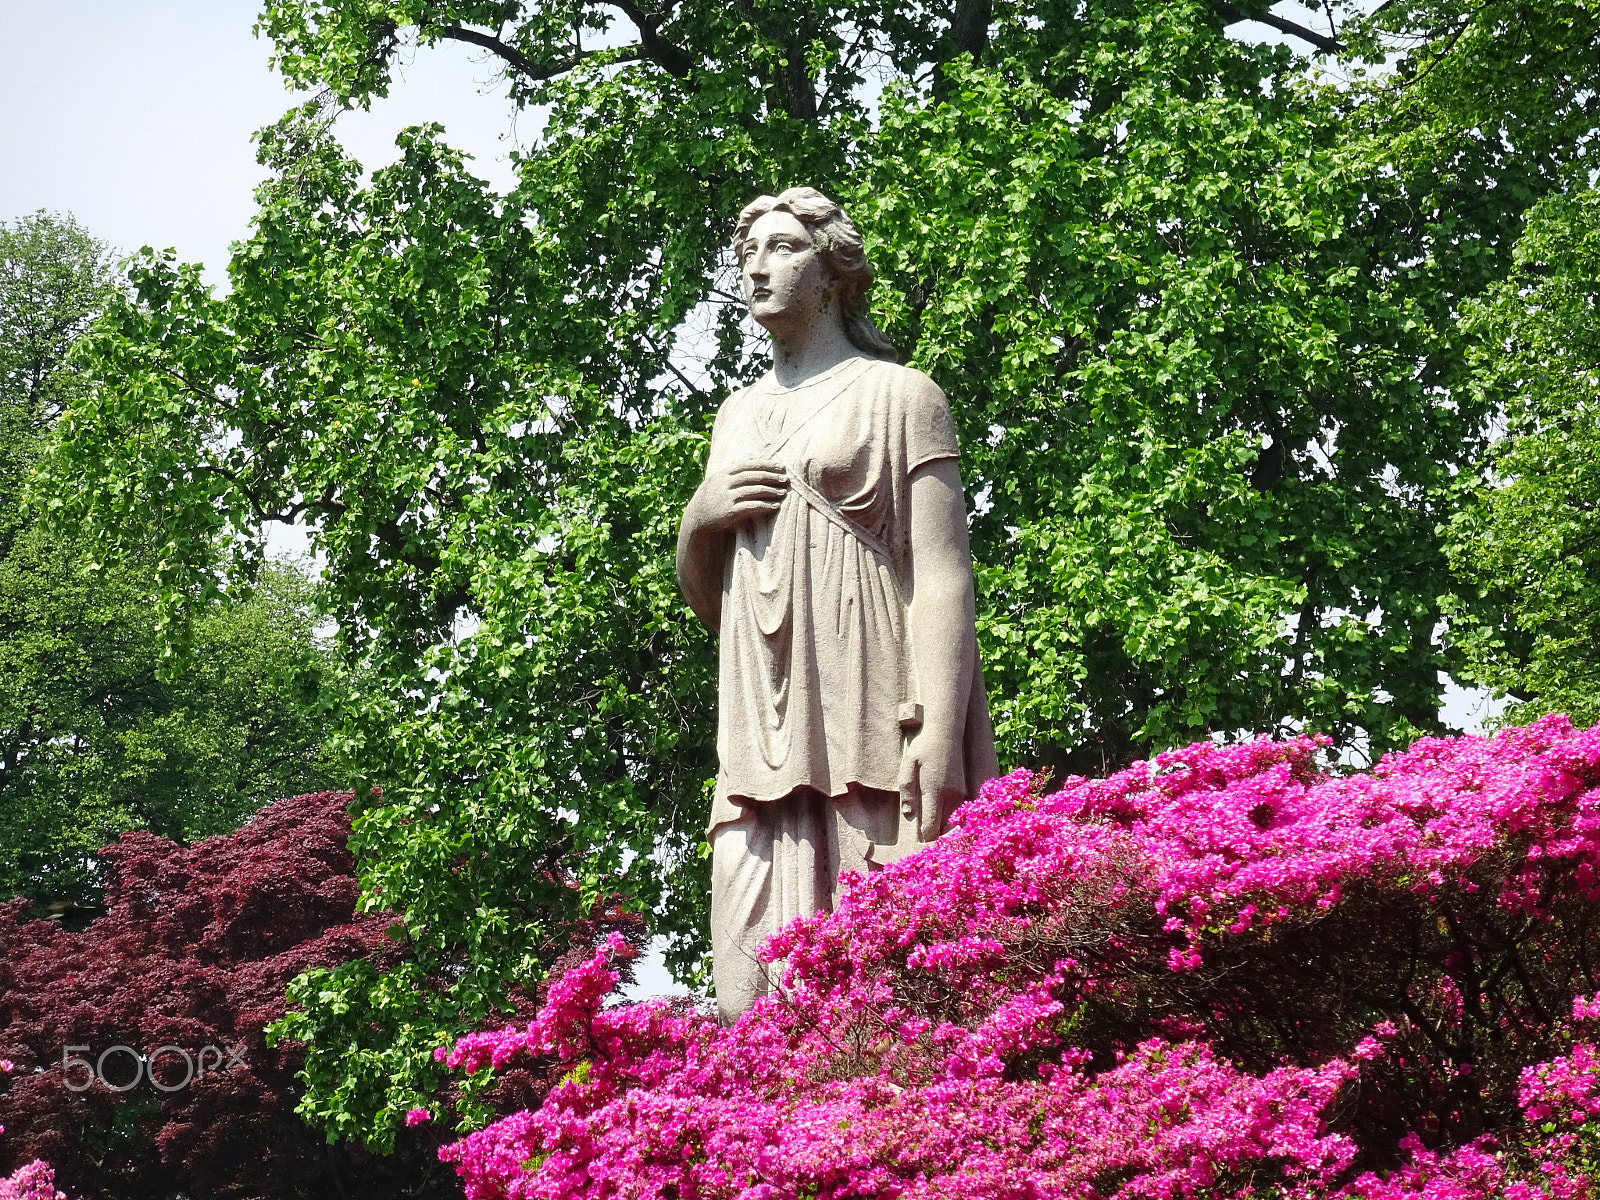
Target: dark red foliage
195, 950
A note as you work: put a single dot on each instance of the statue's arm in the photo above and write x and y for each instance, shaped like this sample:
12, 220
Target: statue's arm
943, 612
702, 549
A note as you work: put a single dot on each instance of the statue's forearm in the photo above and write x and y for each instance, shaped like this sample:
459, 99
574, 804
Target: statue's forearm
942, 604
941, 614
700, 566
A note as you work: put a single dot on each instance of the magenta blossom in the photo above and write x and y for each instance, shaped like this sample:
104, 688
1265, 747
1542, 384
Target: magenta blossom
35, 1181
1223, 972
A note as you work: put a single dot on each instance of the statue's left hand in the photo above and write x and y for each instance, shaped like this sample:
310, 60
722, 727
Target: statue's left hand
932, 781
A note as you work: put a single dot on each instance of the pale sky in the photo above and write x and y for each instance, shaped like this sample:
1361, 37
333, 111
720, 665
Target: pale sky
136, 117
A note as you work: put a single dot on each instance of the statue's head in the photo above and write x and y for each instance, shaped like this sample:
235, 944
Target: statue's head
840, 249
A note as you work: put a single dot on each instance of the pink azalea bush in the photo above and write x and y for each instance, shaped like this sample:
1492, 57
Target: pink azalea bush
35, 1181
1221, 972
32, 1181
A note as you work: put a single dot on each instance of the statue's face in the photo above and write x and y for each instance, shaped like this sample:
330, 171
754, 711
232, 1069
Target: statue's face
786, 284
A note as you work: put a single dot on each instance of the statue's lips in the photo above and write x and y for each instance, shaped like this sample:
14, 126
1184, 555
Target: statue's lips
761, 294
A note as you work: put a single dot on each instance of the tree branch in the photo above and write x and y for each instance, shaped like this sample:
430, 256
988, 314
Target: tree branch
969, 26
667, 359
1444, 53
671, 58
535, 72
1328, 45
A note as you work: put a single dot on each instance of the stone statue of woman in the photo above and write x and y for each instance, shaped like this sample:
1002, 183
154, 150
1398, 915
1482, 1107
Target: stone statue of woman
827, 547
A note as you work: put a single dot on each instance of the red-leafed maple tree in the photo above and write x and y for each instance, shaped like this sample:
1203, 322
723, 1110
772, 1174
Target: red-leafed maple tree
186, 967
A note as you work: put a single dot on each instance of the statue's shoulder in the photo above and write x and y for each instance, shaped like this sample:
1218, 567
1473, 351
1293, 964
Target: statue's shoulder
730, 404
919, 409
908, 385
733, 398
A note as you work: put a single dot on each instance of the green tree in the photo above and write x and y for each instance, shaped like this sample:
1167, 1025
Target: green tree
1197, 320
1515, 77
1532, 540
98, 734
54, 278
1522, 83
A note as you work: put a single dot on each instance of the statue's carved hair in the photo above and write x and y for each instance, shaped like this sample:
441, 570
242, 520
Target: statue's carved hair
837, 240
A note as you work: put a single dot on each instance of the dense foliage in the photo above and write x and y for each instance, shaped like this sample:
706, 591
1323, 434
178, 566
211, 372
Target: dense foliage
1197, 315
1482, 82
1534, 542
1518, 82
54, 278
98, 734
193, 954
1217, 973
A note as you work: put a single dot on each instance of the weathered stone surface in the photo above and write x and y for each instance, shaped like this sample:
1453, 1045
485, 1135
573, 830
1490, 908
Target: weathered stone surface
827, 546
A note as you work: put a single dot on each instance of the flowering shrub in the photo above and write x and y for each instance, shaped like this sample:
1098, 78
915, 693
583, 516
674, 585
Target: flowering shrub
35, 1181
1222, 972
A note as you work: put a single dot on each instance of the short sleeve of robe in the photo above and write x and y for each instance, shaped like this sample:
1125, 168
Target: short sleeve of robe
930, 430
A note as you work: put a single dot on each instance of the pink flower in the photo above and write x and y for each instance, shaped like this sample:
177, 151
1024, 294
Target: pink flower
35, 1181
418, 1116
1025, 1007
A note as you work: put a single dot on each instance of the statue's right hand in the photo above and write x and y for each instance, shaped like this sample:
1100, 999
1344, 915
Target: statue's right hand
742, 491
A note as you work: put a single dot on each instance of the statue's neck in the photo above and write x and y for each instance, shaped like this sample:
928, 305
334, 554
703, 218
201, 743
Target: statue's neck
805, 353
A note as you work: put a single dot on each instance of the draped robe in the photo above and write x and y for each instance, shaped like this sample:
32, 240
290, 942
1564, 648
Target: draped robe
818, 684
